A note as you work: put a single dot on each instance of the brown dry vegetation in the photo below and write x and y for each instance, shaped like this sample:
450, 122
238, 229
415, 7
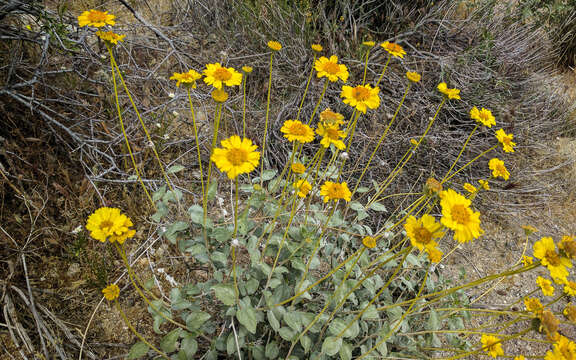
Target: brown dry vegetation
61, 154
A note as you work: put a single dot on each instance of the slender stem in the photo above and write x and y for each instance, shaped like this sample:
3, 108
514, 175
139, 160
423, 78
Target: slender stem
306, 89
235, 208
366, 66
469, 163
384, 70
205, 202
197, 143
460, 153
318, 102
244, 105
266, 121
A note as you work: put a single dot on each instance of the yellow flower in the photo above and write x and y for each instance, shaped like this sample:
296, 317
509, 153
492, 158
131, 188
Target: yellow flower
545, 285
564, 349
331, 69
570, 288
95, 18
369, 43
111, 292
361, 97
303, 187
498, 168
237, 156
519, 357
470, 188
110, 37
549, 323
274, 45
434, 254
295, 130
413, 76
330, 117
393, 49
545, 250
433, 186
505, 140
450, 93
529, 230
188, 78
483, 116
298, 168
457, 215
335, 191
317, 47
331, 135
247, 69
568, 246
218, 76
533, 305
527, 260
570, 312
369, 242
219, 95
423, 231
484, 183
491, 344
109, 224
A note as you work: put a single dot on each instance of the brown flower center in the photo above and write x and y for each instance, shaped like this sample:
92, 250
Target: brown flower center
552, 257
298, 129
422, 235
460, 214
332, 133
237, 156
222, 74
97, 16
106, 225
360, 93
332, 68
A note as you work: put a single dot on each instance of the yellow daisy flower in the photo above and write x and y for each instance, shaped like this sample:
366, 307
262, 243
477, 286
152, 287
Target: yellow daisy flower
568, 246
434, 254
330, 117
519, 357
335, 191
393, 49
470, 188
96, 18
188, 78
457, 215
491, 344
564, 349
303, 187
111, 292
498, 168
570, 288
369, 242
298, 168
317, 47
450, 93
295, 130
545, 250
423, 231
219, 76
331, 69
529, 230
505, 140
533, 305
545, 285
433, 186
110, 224
570, 312
483, 116
361, 97
237, 156
110, 37
549, 323
413, 76
219, 95
527, 260
484, 183
247, 69
274, 45
331, 135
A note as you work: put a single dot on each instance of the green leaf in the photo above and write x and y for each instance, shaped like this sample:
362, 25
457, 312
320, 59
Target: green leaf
306, 343
371, 313
189, 346
272, 350
212, 189
362, 189
196, 214
225, 293
378, 207
272, 320
174, 229
331, 345
138, 350
196, 319
346, 351
362, 215
338, 325
356, 206
287, 334
222, 234
247, 317
252, 286
382, 348
174, 169
433, 323
292, 319
168, 342
269, 174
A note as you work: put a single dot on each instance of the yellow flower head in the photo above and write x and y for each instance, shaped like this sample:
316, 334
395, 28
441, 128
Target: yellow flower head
570, 288
433, 186
111, 292
505, 140
498, 168
545, 285
331, 135
110, 224
533, 305
330, 117
519, 357
274, 45
434, 254
188, 78
237, 156
413, 76
450, 93
298, 168
361, 97
529, 230
483, 116
219, 95
295, 130
570, 312
369, 242
545, 250
303, 187
484, 183
423, 231
527, 260
492, 345
247, 69
369, 43
110, 37
393, 49
568, 246
331, 69
457, 215
219, 76
564, 349
317, 47
335, 191
95, 18
470, 188
549, 323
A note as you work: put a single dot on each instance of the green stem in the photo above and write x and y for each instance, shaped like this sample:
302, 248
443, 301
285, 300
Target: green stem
205, 202
460, 153
197, 143
266, 121
306, 89
384, 70
318, 102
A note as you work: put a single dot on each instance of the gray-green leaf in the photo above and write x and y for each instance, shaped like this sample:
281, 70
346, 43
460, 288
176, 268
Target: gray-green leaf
138, 350
331, 345
168, 342
247, 317
225, 293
